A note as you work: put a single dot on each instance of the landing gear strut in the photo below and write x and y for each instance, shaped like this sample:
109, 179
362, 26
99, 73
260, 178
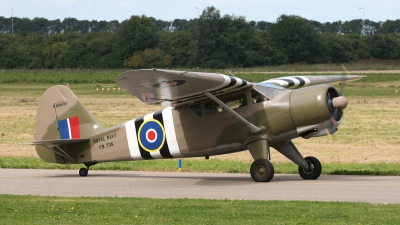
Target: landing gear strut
262, 170
313, 169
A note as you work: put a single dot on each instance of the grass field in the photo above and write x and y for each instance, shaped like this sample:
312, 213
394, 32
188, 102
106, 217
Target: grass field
390, 68
58, 210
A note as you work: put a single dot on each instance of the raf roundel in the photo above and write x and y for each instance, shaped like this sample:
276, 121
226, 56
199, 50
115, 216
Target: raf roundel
151, 135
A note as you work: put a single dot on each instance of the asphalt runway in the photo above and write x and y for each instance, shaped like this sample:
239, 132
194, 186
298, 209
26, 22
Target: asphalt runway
373, 189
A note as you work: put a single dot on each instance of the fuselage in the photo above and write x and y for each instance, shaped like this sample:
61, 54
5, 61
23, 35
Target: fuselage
182, 131
203, 128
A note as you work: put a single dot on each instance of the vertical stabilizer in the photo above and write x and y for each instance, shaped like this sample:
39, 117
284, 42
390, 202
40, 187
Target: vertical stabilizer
60, 115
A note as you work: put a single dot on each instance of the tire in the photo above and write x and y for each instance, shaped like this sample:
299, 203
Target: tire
311, 174
262, 170
83, 172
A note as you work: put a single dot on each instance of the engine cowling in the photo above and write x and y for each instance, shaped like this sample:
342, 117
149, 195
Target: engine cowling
309, 111
310, 105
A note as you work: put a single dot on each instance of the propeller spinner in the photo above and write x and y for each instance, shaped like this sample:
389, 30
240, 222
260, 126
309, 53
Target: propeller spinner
336, 103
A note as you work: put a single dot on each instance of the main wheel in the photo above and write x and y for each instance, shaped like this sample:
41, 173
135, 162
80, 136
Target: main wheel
262, 170
83, 172
313, 171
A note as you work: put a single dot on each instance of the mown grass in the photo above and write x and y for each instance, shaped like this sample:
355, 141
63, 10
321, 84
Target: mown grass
352, 66
113, 210
81, 76
209, 166
363, 87
59, 76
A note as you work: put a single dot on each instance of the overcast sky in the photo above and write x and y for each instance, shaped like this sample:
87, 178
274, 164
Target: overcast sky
267, 10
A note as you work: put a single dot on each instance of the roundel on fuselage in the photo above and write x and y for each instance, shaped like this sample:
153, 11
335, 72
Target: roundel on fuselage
151, 135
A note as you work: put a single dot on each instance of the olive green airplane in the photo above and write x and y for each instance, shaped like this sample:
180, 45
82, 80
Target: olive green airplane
205, 114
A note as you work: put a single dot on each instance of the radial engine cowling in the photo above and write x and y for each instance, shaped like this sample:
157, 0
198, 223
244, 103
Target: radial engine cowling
311, 105
310, 111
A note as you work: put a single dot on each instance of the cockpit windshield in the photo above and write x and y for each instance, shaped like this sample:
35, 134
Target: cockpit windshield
269, 90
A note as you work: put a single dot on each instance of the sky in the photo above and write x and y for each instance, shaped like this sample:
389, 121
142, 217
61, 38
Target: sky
258, 10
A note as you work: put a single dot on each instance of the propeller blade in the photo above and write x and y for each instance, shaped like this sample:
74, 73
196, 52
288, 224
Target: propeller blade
335, 114
329, 134
345, 69
341, 89
342, 83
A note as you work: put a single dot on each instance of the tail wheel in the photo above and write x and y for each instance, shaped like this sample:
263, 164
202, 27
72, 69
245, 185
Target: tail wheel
83, 172
262, 170
313, 171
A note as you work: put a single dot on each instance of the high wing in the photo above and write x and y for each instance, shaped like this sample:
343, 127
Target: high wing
172, 88
292, 82
272, 87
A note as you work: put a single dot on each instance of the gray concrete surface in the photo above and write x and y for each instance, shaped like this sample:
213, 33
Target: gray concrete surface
373, 189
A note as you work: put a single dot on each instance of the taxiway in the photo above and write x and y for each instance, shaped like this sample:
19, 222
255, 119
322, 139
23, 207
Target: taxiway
373, 189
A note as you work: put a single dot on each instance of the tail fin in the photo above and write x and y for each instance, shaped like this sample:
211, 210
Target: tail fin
61, 116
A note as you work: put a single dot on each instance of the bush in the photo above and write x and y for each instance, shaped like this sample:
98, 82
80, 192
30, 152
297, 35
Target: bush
149, 58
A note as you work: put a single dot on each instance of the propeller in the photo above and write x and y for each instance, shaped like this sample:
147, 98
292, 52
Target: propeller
336, 102
340, 102
329, 134
342, 83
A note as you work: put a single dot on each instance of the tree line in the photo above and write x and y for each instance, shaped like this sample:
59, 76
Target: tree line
44, 26
210, 41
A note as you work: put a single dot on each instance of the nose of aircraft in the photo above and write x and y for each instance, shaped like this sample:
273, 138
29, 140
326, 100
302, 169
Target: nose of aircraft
340, 102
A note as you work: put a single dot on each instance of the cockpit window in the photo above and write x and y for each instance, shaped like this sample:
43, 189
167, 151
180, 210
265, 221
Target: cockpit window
236, 101
196, 108
212, 107
257, 97
268, 90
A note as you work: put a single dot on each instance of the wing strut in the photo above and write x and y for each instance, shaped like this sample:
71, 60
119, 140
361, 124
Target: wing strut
252, 127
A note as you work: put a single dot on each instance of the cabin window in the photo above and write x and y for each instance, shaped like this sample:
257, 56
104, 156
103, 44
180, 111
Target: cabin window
196, 108
256, 97
236, 101
212, 107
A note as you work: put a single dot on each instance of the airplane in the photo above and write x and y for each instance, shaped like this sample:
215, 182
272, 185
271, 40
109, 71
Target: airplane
205, 114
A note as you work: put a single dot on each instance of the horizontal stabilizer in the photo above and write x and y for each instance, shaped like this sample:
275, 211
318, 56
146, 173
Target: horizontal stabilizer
57, 141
